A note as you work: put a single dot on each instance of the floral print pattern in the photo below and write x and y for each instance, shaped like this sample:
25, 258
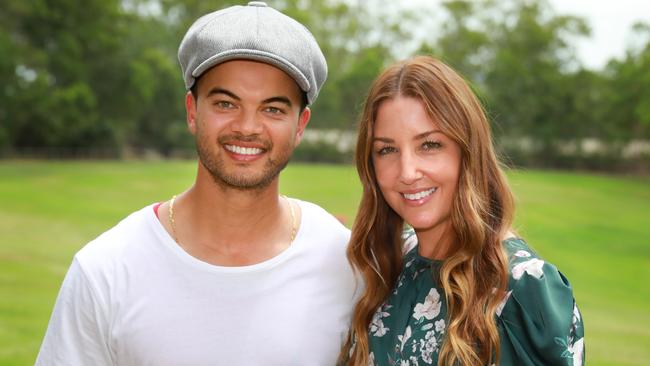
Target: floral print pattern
533, 267
377, 327
409, 327
430, 308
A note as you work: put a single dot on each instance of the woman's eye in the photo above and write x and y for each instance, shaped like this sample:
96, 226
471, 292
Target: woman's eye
386, 150
431, 145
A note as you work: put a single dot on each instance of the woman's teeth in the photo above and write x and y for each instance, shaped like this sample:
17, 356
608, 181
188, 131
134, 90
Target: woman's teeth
419, 195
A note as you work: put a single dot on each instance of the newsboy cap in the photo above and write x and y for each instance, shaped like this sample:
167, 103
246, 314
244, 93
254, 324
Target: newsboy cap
253, 32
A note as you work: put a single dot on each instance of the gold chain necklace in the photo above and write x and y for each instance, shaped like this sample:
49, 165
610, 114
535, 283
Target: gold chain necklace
294, 224
171, 218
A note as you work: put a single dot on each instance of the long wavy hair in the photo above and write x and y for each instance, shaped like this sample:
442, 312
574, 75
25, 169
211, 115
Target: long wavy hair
474, 275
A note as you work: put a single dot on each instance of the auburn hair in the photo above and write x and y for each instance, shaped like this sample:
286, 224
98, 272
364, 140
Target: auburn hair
474, 275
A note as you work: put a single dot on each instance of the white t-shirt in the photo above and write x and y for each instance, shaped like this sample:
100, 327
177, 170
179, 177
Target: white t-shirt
134, 297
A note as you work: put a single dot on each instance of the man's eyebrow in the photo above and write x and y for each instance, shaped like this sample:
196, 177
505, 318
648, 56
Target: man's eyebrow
279, 99
217, 90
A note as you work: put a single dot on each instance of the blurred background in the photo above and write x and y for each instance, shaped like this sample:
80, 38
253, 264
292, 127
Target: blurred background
100, 78
92, 127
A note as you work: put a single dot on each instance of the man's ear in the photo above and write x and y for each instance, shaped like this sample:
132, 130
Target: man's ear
303, 120
190, 112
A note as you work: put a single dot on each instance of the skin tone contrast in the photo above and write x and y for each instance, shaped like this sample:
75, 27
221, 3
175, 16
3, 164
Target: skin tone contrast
417, 169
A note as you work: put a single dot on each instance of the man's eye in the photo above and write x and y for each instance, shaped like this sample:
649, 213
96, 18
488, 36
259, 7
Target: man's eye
274, 110
431, 145
224, 104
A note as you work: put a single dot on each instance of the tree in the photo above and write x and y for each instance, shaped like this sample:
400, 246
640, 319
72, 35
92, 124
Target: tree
628, 109
463, 42
528, 75
62, 52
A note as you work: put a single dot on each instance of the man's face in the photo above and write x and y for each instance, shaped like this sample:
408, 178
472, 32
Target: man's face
246, 120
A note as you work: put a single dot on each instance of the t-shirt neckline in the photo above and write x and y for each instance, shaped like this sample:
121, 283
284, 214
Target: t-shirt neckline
174, 248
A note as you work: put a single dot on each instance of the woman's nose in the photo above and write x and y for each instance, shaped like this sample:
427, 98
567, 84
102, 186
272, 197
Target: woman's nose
410, 171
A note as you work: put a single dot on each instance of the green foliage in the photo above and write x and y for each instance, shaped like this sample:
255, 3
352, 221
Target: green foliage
629, 81
544, 105
320, 152
104, 76
459, 44
354, 83
525, 83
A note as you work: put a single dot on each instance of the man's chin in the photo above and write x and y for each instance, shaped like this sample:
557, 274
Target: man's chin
244, 182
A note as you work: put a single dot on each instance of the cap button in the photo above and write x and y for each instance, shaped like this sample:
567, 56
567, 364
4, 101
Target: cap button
257, 3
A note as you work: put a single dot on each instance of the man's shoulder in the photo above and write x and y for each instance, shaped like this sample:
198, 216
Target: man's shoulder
317, 217
118, 241
324, 232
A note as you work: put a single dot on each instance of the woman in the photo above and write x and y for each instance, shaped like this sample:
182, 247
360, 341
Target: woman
457, 287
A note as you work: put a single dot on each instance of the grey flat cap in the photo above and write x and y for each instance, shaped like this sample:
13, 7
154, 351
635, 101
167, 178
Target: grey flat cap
253, 32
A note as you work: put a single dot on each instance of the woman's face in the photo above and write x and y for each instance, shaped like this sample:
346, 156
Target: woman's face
417, 166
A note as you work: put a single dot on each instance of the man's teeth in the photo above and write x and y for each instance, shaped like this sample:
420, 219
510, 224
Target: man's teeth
243, 150
419, 195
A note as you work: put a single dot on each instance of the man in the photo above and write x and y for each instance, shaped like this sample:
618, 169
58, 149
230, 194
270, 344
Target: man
228, 272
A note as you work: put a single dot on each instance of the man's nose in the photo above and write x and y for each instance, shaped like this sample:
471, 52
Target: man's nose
248, 124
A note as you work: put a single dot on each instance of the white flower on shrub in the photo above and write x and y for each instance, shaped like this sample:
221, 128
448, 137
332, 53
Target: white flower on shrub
533, 267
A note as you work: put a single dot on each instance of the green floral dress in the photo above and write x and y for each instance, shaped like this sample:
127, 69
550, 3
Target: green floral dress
538, 321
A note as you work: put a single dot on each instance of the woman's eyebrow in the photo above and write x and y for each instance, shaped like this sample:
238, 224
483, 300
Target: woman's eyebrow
382, 139
417, 137
425, 134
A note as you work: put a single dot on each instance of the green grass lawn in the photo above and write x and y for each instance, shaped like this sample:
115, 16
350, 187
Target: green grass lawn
595, 228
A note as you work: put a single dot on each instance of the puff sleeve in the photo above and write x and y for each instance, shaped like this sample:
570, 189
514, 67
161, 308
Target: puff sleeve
539, 322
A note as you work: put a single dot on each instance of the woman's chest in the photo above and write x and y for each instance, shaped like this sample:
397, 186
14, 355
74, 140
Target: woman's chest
409, 328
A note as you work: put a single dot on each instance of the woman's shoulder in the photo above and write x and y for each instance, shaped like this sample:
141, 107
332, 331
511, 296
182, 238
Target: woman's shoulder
539, 313
530, 276
522, 259
525, 266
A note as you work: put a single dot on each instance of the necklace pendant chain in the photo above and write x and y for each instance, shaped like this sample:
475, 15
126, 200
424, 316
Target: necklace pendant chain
171, 218
294, 224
